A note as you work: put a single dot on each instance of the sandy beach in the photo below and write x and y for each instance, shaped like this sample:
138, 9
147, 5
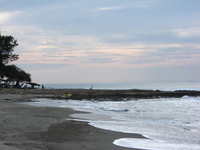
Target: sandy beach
24, 127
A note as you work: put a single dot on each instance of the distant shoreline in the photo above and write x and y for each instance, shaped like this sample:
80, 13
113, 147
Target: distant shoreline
102, 95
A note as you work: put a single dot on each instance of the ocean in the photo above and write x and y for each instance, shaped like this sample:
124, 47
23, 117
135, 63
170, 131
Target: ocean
168, 123
166, 86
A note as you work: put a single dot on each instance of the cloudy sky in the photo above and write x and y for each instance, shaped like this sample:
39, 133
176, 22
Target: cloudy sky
105, 41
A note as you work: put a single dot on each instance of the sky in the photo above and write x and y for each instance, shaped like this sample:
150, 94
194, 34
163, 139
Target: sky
105, 41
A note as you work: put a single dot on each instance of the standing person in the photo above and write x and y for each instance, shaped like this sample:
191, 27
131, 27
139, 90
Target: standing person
42, 86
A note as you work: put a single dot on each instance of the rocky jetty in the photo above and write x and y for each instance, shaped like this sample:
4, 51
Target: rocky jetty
101, 95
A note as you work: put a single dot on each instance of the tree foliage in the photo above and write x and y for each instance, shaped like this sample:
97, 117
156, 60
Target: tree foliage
11, 72
7, 45
17, 75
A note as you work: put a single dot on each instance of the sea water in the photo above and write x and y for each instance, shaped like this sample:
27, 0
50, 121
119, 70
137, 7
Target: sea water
166, 86
168, 123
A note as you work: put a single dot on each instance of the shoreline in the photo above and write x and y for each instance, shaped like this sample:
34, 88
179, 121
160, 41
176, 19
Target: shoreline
30, 127
100, 95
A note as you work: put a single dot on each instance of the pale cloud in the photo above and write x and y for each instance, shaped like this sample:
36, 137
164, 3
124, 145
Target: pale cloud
50, 47
109, 8
133, 4
6, 16
43, 47
189, 32
79, 50
24, 33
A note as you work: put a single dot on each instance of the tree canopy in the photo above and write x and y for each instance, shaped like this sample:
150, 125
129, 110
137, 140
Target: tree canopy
17, 75
7, 45
11, 72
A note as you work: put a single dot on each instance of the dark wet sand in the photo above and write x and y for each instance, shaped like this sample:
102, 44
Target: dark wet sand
24, 127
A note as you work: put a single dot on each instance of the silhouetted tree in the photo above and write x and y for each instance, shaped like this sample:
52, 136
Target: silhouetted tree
19, 76
7, 45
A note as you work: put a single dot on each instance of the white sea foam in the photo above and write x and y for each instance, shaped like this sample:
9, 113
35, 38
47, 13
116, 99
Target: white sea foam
169, 123
154, 144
